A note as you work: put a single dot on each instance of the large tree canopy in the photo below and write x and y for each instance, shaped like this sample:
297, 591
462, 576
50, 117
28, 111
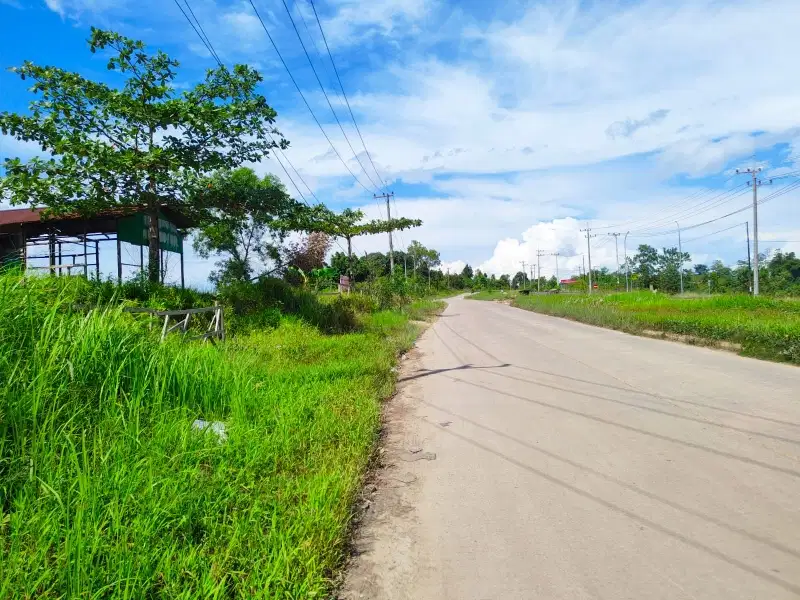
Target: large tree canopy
258, 213
348, 224
140, 145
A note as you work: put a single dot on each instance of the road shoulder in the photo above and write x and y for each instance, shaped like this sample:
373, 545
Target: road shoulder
385, 553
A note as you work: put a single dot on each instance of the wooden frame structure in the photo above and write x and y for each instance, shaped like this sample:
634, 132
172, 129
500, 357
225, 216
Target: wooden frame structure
216, 329
23, 230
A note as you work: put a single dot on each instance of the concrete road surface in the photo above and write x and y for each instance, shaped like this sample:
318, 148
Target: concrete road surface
532, 457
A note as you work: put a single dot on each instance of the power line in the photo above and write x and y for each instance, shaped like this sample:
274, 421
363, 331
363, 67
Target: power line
681, 202
671, 231
708, 204
349, 109
305, 101
207, 42
202, 36
324, 93
344, 94
700, 237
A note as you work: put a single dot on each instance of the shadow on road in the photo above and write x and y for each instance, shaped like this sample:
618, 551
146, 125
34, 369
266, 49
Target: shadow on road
464, 367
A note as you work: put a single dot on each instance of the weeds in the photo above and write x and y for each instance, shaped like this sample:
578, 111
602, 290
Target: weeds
107, 491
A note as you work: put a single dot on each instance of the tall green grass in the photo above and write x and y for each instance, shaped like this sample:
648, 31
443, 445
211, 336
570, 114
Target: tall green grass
107, 491
764, 327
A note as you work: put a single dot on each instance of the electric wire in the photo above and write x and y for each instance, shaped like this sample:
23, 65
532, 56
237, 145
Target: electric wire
305, 100
701, 237
344, 94
207, 42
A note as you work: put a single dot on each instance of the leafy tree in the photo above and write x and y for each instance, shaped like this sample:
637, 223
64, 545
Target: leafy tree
339, 261
140, 146
466, 272
348, 225
422, 256
505, 281
645, 265
700, 269
480, 280
669, 279
520, 279
258, 214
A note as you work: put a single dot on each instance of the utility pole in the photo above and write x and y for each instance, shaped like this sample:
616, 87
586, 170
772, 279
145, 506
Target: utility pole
388, 197
680, 251
749, 266
539, 255
583, 262
756, 183
627, 266
616, 246
533, 266
589, 236
524, 273
558, 279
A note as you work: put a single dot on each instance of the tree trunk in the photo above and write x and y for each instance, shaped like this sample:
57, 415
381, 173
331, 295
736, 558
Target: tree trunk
152, 245
153, 266
349, 258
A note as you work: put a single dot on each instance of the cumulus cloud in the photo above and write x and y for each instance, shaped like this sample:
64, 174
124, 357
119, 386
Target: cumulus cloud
563, 249
511, 131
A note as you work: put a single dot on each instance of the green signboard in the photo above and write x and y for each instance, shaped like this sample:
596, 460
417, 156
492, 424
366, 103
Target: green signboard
133, 230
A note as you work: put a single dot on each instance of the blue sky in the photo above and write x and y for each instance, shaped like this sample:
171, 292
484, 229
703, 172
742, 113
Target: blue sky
505, 126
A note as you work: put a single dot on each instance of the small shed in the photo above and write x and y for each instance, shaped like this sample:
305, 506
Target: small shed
64, 243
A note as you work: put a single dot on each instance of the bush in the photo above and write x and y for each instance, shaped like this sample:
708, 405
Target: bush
249, 300
106, 489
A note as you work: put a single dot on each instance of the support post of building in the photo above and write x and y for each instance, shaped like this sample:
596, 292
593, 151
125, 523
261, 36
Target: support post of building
51, 245
85, 255
97, 259
119, 256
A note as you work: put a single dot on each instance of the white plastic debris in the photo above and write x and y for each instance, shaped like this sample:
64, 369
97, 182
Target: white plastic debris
216, 427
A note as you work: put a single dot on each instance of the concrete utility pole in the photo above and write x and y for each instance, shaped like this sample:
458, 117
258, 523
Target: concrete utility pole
539, 255
627, 266
680, 250
388, 197
749, 266
616, 246
589, 236
558, 279
583, 262
524, 273
756, 183
533, 266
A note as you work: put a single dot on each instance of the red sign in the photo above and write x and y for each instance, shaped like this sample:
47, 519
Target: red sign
568, 281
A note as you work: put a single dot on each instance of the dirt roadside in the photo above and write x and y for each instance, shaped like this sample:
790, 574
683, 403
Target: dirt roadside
384, 558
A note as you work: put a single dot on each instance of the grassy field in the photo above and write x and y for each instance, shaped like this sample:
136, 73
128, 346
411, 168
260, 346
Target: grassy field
764, 327
106, 490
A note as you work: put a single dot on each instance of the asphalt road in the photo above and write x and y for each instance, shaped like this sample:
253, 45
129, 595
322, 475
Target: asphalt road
575, 462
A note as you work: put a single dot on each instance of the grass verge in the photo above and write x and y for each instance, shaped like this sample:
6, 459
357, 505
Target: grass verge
106, 490
767, 328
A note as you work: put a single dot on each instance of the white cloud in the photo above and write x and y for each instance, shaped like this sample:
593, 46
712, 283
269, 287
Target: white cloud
355, 21
55, 6
453, 267
562, 111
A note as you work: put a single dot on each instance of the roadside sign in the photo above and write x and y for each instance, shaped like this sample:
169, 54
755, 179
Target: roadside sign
344, 283
133, 230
